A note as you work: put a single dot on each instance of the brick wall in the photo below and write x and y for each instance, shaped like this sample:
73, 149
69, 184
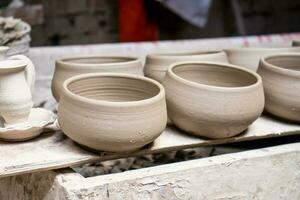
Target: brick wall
75, 22
61, 22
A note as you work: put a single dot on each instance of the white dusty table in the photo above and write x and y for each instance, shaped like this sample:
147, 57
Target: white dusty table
55, 150
26, 167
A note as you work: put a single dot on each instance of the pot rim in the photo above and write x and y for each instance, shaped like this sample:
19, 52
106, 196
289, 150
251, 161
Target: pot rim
264, 63
160, 95
211, 87
4, 48
69, 64
12, 64
187, 54
260, 48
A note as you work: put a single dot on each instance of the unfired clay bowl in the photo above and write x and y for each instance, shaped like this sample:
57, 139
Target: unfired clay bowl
71, 66
281, 79
112, 112
296, 43
249, 56
157, 64
213, 100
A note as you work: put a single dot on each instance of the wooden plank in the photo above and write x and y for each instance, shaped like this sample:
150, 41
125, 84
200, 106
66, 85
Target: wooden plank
54, 150
269, 173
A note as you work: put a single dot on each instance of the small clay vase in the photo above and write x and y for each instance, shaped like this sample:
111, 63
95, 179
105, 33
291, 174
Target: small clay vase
296, 43
213, 100
157, 64
16, 80
281, 80
249, 56
71, 66
112, 112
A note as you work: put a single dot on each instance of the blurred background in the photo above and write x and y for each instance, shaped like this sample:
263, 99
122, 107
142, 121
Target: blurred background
66, 22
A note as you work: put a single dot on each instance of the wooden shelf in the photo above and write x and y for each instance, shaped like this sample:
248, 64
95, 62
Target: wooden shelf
55, 150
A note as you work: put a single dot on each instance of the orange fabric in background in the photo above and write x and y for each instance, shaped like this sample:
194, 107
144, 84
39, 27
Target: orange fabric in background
134, 24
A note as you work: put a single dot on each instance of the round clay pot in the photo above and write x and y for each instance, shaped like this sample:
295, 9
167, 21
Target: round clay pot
213, 100
71, 66
249, 56
112, 112
296, 43
281, 80
156, 65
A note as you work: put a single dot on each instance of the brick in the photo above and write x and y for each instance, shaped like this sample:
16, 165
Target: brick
59, 26
75, 6
65, 7
99, 37
32, 14
86, 23
98, 6
38, 37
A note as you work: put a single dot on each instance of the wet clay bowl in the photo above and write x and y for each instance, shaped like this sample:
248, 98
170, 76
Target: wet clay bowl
249, 56
71, 66
213, 100
156, 65
281, 80
296, 43
112, 112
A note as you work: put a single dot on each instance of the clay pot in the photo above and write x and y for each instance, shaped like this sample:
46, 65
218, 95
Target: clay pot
296, 43
281, 80
249, 56
157, 64
112, 112
214, 100
71, 66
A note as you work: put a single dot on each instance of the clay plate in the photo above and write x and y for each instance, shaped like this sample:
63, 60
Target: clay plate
39, 119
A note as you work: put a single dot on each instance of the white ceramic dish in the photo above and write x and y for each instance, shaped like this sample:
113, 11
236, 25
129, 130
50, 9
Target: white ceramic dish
39, 119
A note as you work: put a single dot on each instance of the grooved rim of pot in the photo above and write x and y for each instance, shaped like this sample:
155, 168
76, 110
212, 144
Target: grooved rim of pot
12, 64
161, 56
66, 61
279, 69
75, 97
212, 87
